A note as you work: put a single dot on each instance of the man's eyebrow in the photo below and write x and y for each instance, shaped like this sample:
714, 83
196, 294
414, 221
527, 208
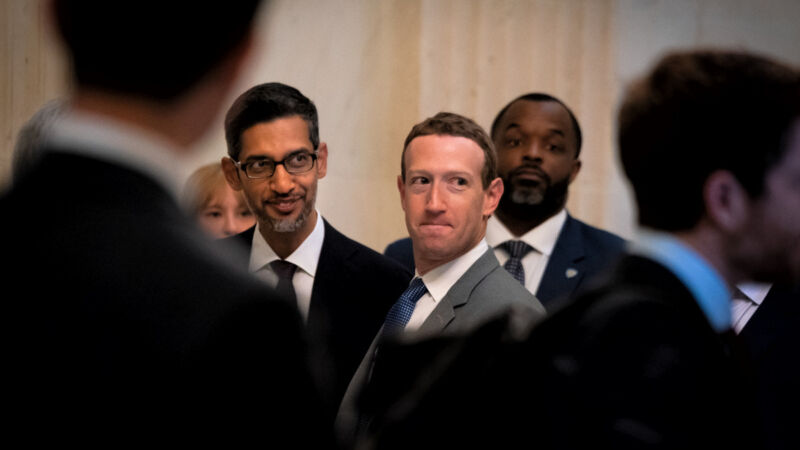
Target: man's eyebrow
267, 158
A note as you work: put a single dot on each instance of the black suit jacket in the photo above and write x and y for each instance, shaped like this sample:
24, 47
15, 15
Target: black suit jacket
354, 287
582, 252
126, 323
772, 336
631, 364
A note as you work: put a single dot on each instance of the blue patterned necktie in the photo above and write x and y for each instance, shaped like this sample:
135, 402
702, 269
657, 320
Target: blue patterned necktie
517, 250
401, 311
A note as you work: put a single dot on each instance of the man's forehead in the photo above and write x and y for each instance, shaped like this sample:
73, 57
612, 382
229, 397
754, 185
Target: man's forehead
444, 154
276, 138
526, 112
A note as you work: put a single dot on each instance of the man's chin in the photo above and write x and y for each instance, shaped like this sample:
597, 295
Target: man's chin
285, 225
527, 197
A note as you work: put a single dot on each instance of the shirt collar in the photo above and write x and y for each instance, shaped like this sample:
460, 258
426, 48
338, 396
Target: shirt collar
439, 280
106, 139
755, 292
543, 238
305, 257
706, 285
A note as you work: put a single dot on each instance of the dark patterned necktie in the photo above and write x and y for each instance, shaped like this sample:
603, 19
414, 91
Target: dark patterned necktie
517, 250
285, 271
401, 311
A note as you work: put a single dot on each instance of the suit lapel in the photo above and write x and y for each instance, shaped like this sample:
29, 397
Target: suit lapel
459, 294
777, 312
333, 273
565, 268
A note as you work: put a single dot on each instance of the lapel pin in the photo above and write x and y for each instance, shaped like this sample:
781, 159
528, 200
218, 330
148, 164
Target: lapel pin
571, 272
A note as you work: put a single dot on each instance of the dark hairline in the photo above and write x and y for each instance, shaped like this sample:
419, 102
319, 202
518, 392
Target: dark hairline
538, 97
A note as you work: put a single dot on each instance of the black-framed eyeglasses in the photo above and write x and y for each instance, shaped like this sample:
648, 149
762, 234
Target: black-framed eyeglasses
296, 163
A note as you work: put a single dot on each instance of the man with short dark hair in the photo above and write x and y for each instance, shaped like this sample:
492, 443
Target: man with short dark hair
129, 325
538, 142
448, 189
342, 288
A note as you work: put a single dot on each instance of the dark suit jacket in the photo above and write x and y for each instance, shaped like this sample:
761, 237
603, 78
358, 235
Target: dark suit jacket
587, 250
354, 287
125, 322
631, 364
772, 336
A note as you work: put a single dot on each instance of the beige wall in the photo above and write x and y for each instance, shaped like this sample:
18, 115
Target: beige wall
375, 67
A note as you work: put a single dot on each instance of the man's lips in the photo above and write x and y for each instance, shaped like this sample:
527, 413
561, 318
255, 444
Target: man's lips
284, 205
530, 174
435, 227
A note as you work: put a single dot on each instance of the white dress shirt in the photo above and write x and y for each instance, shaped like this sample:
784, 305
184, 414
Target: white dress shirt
105, 139
742, 309
305, 257
542, 238
439, 280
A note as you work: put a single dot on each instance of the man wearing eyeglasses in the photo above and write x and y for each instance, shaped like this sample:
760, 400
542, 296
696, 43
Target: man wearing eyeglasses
342, 288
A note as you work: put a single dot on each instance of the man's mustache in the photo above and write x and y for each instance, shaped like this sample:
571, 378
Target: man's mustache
530, 168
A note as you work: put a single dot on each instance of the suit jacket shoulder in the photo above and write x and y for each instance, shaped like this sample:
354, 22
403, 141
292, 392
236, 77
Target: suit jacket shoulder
582, 252
485, 291
135, 301
401, 251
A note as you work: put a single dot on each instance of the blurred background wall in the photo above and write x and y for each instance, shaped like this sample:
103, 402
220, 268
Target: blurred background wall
376, 67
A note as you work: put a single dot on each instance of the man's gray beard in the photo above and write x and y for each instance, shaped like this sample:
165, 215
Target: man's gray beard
286, 225
523, 196
289, 225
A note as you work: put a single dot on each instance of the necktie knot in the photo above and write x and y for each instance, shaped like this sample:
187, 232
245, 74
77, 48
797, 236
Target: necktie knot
517, 250
401, 311
284, 269
285, 272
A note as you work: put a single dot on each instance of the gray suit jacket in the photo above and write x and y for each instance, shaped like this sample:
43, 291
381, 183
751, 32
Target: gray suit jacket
483, 292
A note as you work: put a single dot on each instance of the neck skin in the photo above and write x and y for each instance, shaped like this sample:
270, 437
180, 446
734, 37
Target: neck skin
711, 246
285, 243
165, 120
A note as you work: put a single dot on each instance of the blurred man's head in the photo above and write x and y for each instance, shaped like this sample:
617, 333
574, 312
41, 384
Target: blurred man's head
147, 48
709, 139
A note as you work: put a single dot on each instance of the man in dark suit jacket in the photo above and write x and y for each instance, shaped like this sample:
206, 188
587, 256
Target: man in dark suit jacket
647, 357
538, 142
342, 288
123, 323
771, 336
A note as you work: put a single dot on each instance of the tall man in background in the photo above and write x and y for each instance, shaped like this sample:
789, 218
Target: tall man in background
126, 323
538, 142
342, 288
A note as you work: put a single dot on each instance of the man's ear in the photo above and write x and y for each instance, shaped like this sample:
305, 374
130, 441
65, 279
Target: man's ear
401, 186
491, 196
576, 167
322, 160
727, 204
231, 174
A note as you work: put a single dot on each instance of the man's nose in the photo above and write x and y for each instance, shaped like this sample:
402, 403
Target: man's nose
533, 150
436, 199
281, 181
